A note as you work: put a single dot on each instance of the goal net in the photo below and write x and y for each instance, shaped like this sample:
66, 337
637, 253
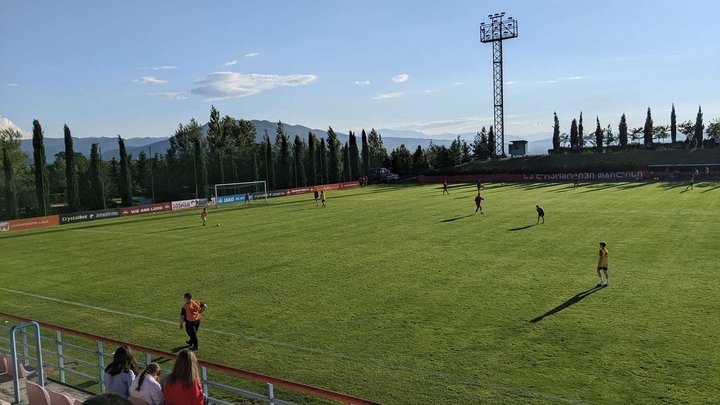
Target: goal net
243, 193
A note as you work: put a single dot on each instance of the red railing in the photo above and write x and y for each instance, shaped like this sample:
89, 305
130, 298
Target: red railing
250, 375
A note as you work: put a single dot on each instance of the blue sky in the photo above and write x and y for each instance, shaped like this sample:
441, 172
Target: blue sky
138, 68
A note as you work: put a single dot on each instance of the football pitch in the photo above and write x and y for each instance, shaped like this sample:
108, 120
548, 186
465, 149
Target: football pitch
401, 295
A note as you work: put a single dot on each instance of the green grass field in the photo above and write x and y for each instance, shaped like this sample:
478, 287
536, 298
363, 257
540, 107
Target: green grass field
400, 295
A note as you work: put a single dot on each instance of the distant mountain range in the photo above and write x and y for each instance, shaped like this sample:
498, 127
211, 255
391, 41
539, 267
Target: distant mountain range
391, 139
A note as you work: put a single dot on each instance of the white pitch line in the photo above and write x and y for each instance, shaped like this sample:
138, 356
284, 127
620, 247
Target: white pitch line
460, 379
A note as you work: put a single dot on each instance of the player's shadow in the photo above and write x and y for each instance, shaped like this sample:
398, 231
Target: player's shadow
711, 189
572, 301
174, 350
456, 218
522, 227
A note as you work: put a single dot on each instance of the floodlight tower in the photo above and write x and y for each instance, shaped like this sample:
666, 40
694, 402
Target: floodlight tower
495, 31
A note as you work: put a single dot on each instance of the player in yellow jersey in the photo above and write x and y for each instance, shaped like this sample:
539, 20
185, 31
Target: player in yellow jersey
603, 265
323, 198
204, 216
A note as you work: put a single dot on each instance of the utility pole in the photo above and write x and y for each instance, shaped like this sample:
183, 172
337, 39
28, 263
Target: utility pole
495, 31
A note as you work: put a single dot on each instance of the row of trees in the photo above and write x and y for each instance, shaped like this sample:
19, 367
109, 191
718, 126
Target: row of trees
227, 153
70, 181
650, 134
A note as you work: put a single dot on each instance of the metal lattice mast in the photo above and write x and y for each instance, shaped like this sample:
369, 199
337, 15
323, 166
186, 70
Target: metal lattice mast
497, 30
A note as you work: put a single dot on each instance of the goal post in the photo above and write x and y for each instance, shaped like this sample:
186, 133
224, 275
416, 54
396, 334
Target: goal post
243, 192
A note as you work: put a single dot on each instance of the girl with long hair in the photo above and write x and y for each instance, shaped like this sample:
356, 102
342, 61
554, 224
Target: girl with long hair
120, 374
182, 386
146, 386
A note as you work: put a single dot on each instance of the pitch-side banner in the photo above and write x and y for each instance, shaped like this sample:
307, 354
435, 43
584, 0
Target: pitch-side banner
235, 198
28, 223
187, 204
536, 177
86, 216
145, 209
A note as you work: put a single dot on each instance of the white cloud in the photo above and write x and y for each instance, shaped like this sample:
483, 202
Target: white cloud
251, 54
458, 84
180, 95
510, 83
12, 85
671, 56
431, 91
5, 123
388, 96
227, 85
400, 78
232, 62
149, 80
576, 77
163, 67
546, 82
362, 82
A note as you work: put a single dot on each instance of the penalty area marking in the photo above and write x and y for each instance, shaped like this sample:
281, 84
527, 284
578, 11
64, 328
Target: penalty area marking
370, 361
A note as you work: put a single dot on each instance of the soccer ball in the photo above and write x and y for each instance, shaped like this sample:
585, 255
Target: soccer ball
217, 225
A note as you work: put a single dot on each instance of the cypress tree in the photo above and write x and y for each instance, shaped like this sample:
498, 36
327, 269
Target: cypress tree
556, 133
269, 166
141, 169
312, 160
598, 136
699, 128
491, 142
354, 156
333, 156
11, 198
284, 169
365, 154
623, 132
581, 133
96, 179
322, 151
201, 163
42, 187
673, 125
347, 171
648, 129
71, 173
125, 179
300, 178
574, 140
217, 138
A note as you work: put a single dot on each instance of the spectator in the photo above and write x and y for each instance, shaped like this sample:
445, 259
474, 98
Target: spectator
120, 374
182, 386
146, 386
106, 399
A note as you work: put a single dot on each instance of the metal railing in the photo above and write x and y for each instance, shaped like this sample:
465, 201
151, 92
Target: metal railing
93, 359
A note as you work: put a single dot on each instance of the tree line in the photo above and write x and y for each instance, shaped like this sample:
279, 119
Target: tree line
649, 136
227, 153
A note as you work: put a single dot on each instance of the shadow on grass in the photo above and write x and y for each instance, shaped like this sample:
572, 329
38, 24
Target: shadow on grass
597, 187
572, 301
629, 186
174, 350
535, 186
456, 218
711, 189
522, 227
